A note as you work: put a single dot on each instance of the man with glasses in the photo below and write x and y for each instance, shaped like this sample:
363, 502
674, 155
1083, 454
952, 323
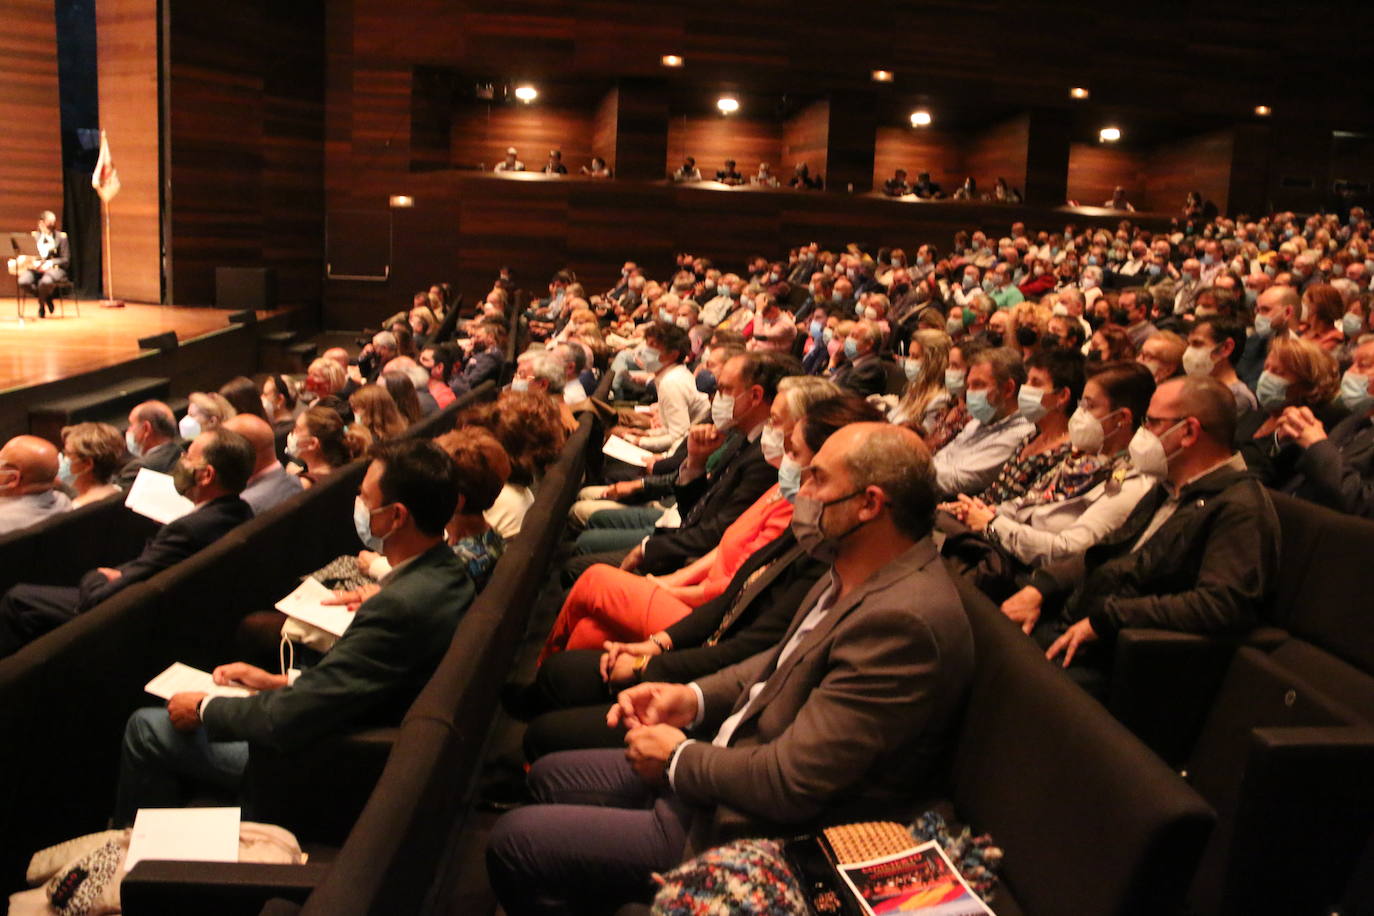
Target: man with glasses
1197, 554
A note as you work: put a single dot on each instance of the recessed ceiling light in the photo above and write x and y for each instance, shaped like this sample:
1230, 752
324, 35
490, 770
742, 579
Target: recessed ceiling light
882, 76
526, 93
671, 60
1078, 92
727, 104
1263, 111
920, 118
1109, 134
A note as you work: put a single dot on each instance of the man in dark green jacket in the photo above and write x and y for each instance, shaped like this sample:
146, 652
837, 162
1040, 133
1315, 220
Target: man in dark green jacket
371, 674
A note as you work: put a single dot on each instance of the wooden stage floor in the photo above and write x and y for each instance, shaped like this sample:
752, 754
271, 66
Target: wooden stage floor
35, 351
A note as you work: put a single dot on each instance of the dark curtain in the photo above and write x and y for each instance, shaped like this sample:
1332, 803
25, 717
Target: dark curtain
81, 221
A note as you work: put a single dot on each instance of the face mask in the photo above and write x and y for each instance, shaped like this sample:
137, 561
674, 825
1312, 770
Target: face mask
1154, 365
988, 285
293, 449
1154, 270
1208, 260
1029, 401
969, 281
817, 327
995, 338
773, 278
183, 477
1272, 391
954, 326
871, 314
1198, 361
789, 478
1263, 325
665, 315
771, 442
1092, 260
516, 384
1060, 310
132, 444
1355, 392
64, 470
1085, 432
1089, 283
851, 348
649, 359
362, 523
912, 368
954, 380
723, 411
828, 335
809, 529
1026, 336
189, 427
268, 407
858, 310
1147, 451
980, 408
835, 296
1351, 325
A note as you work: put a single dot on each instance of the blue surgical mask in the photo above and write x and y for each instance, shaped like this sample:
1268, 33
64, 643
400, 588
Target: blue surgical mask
1272, 391
1029, 401
64, 471
851, 349
1351, 325
1153, 270
817, 328
789, 478
132, 444
1355, 392
954, 380
649, 359
189, 427
362, 523
980, 408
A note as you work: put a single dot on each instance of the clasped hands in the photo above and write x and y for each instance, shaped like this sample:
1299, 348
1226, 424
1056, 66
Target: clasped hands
653, 716
971, 511
1300, 425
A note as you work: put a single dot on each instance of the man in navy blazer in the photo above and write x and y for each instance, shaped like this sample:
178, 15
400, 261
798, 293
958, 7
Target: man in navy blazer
211, 474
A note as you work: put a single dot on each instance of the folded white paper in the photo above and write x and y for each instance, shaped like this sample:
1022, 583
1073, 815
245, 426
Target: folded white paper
154, 496
185, 835
305, 604
617, 447
179, 678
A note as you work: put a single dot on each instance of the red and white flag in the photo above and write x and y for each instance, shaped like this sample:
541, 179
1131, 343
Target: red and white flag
106, 179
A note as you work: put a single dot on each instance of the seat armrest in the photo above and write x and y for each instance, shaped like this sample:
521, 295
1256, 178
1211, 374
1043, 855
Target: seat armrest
215, 888
1162, 685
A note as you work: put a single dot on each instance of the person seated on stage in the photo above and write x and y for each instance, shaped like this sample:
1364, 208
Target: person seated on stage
848, 717
764, 176
40, 280
28, 483
607, 603
995, 429
205, 411
375, 412
320, 443
151, 439
688, 171
371, 674
729, 175
1198, 553
92, 453
211, 475
926, 189
270, 484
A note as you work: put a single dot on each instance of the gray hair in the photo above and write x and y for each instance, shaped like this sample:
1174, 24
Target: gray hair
799, 392
896, 461
418, 377
550, 366
1005, 363
384, 339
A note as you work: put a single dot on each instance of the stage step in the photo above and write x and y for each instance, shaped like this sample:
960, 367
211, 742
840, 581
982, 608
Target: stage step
110, 404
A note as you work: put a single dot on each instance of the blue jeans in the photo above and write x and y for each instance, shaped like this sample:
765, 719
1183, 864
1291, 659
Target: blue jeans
595, 836
617, 529
159, 766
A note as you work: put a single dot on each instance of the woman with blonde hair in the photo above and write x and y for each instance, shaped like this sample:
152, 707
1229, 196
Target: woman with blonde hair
924, 400
205, 411
1297, 373
92, 453
323, 378
375, 411
1030, 321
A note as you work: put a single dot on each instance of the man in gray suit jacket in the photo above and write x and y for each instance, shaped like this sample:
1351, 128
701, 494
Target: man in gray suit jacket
842, 719
270, 483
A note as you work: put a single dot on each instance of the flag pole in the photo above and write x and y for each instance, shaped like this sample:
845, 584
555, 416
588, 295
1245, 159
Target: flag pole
107, 281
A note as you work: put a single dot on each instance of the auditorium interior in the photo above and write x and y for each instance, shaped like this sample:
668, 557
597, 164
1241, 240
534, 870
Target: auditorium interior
669, 290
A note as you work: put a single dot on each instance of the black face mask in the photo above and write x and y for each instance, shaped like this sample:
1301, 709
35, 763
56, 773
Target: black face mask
994, 338
1026, 336
900, 289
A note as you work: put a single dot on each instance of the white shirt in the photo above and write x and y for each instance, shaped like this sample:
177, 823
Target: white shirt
680, 405
972, 460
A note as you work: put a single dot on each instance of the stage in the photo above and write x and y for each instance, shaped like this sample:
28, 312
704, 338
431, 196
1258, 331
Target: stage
34, 351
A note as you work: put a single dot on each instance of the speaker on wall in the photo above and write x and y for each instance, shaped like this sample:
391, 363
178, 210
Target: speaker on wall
242, 288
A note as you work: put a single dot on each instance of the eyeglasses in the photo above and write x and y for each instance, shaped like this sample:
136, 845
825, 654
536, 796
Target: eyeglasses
1156, 421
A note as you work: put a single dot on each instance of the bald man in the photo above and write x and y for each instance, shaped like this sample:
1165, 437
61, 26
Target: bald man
270, 483
153, 441
28, 471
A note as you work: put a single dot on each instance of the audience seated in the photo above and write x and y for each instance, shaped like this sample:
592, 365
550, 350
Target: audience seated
28, 490
530, 429
92, 453
863, 370
279, 409
375, 413
924, 399
211, 475
1297, 373
370, 675
320, 444
205, 411
269, 484
971, 462
151, 439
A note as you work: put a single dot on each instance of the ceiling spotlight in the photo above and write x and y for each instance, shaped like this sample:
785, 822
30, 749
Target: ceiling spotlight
920, 118
671, 60
526, 93
727, 104
402, 200
1263, 111
1078, 92
1109, 134
882, 76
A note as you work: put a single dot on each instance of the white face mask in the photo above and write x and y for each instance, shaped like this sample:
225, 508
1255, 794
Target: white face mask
519, 384
772, 443
1198, 361
189, 427
723, 411
1085, 432
1147, 452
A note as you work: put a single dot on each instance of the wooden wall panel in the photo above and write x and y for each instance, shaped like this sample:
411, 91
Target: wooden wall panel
849, 141
604, 124
1047, 157
481, 133
641, 133
938, 152
1095, 169
804, 139
1195, 164
714, 138
31, 139
127, 52
1249, 185
999, 152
